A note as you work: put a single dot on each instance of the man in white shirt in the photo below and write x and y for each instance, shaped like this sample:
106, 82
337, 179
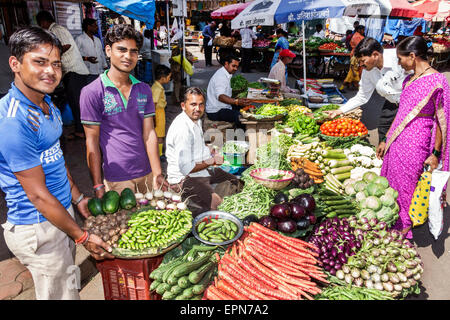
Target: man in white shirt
247, 36
278, 72
319, 31
189, 161
220, 106
91, 49
381, 72
75, 72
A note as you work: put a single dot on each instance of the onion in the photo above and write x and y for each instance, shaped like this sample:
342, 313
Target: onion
160, 204
176, 197
143, 202
148, 196
181, 206
171, 206
167, 194
158, 193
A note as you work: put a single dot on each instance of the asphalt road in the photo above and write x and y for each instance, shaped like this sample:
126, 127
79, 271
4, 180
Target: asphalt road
435, 254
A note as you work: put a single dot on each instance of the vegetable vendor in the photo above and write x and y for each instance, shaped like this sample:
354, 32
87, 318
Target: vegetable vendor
189, 161
279, 72
282, 43
220, 106
117, 112
381, 72
40, 230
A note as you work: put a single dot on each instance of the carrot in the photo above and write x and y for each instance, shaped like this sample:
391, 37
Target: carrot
250, 293
228, 289
244, 264
212, 293
312, 172
233, 269
288, 240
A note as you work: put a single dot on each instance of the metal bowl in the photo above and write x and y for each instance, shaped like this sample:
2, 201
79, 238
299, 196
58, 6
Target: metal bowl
222, 215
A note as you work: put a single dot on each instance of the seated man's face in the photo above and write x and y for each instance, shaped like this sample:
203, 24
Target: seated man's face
194, 106
232, 66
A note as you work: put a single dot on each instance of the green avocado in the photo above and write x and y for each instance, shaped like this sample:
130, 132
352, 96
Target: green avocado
127, 199
110, 202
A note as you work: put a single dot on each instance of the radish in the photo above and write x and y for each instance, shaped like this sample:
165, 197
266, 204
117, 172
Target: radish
153, 203
160, 204
158, 194
183, 205
138, 195
171, 206
143, 202
148, 195
167, 195
176, 198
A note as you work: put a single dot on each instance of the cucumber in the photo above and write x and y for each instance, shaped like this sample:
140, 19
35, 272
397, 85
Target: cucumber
154, 285
168, 295
341, 170
343, 176
168, 272
196, 275
188, 267
163, 287
188, 293
176, 290
183, 282
197, 297
158, 272
203, 284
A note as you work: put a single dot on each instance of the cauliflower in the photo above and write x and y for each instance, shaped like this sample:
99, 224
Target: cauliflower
355, 148
367, 151
377, 163
364, 161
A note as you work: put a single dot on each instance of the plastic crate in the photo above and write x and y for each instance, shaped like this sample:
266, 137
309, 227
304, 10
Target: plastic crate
125, 279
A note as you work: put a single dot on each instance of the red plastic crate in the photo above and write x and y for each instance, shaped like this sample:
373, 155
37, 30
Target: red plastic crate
125, 279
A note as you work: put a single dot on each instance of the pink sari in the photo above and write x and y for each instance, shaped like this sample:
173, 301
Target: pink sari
424, 105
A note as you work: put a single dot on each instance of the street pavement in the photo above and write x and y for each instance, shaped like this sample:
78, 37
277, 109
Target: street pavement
15, 281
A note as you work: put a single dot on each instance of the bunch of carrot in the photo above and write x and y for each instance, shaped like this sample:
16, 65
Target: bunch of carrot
267, 266
311, 168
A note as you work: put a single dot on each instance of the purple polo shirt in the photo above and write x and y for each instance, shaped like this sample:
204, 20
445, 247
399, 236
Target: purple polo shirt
121, 125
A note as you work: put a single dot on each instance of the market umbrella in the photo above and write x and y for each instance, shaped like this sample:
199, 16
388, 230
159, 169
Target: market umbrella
230, 11
434, 10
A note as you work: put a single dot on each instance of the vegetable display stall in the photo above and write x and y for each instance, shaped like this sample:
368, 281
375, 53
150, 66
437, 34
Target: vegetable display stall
313, 221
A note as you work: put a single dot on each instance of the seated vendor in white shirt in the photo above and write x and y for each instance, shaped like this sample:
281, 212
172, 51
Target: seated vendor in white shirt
319, 31
220, 106
279, 72
190, 163
381, 72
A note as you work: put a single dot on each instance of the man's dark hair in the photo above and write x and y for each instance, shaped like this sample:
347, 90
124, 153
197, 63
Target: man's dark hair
229, 58
27, 39
348, 32
193, 90
360, 28
148, 33
367, 46
319, 27
44, 16
121, 32
280, 31
87, 22
161, 71
355, 24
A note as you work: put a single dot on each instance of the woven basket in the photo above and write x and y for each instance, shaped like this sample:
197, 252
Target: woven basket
260, 176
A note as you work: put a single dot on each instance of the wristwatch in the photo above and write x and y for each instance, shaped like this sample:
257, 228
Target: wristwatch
81, 197
436, 153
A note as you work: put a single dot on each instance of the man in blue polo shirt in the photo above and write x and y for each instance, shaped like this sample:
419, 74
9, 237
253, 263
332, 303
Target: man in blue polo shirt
117, 113
40, 229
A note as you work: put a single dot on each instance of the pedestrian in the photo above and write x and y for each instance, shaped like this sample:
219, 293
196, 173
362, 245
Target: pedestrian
91, 49
162, 77
189, 161
248, 36
145, 64
75, 72
419, 135
208, 38
117, 112
6, 75
40, 229
381, 72
282, 43
220, 105
354, 73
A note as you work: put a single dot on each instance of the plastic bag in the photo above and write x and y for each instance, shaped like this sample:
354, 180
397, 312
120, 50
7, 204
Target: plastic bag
187, 66
435, 211
418, 209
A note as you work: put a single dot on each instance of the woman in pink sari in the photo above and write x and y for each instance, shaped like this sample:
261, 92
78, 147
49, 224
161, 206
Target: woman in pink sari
419, 135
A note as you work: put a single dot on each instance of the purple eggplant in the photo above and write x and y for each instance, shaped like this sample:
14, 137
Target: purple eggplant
281, 210
297, 211
287, 226
268, 222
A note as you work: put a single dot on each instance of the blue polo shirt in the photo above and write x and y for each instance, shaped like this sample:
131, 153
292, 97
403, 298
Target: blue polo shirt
29, 139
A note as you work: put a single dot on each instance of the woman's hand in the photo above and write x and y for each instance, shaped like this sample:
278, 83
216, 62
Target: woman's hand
432, 161
381, 149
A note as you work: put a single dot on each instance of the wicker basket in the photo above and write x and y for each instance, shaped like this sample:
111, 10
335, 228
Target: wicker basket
260, 176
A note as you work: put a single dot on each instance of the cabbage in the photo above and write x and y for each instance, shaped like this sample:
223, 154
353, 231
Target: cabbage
360, 196
385, 214
375, 189
373, 203
369, 176
391, 192
396, 208
366, 212
350, 190
383, 181
359, 186
387, 200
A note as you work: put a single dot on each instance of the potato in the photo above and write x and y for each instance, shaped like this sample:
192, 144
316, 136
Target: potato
105, 237
115, 238
111, 232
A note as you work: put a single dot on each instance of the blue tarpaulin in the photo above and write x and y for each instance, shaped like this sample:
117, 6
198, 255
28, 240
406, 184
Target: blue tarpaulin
141, 10
399, 27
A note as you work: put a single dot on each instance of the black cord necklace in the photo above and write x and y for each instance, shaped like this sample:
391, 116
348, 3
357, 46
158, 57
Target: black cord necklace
421, 74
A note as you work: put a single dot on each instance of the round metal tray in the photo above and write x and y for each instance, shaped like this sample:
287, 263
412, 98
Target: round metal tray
222, 215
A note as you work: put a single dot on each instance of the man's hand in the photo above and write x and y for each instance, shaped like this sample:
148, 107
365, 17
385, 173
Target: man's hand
218, 159
98, 248
100, 192
381, 149
432, 161
92, 59
158, 181
244, 102
83, 207
333, 113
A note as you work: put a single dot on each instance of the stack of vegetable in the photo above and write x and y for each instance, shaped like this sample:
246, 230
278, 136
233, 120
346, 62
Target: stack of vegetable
155, 229
341, 291
289, 216
335, 205
302, 179
187, 276
320, 115
301, 123
311, 169
385, 260
270, 110
363, 158
267, 266
343, 127
238, 83
375, 197
216, 230
111, 202
274, 154
108, 227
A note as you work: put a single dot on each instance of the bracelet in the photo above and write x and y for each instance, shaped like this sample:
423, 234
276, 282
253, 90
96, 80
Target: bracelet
81, 197
84, 238
436, 153
98, 187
